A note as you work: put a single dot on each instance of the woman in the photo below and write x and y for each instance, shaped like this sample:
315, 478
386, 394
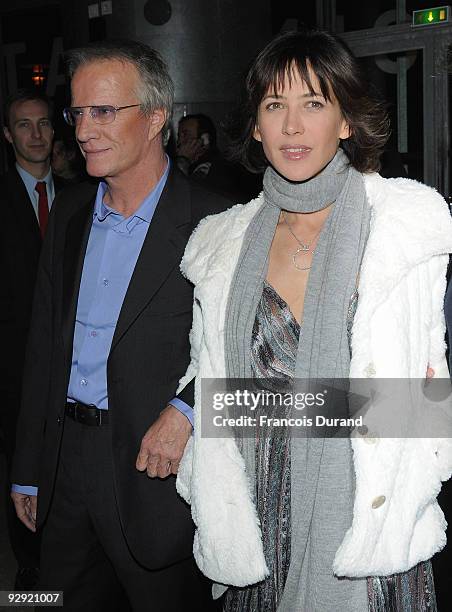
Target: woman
325, 275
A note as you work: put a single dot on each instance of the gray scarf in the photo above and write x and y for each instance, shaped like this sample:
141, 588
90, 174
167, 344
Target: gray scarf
321, 473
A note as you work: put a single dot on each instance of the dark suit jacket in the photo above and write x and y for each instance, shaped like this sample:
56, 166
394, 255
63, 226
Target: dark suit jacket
20, 246
149, 354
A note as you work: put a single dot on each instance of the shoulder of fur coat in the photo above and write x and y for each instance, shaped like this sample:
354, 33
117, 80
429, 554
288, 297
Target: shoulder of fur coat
406, 212
212, 233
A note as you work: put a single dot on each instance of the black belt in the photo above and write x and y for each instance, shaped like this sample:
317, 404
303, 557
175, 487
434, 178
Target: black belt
88, 415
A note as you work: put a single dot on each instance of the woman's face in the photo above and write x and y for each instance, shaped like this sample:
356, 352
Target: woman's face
299, 132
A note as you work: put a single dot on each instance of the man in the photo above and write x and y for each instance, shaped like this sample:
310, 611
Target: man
27, 192
196, 145
108, 344
67, 161
198, 157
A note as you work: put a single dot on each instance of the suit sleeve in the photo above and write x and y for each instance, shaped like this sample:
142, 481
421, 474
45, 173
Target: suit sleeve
187, 395
186, 389
37, 371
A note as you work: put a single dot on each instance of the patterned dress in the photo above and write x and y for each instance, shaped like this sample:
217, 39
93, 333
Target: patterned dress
273, 356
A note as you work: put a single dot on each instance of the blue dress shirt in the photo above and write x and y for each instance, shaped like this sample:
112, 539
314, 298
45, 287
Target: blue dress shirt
113, 248
111, 255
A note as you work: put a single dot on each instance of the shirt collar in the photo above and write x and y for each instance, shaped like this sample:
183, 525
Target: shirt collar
31, 180
147, 207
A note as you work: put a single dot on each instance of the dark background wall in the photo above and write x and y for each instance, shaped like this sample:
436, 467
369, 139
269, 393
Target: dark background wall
207, 44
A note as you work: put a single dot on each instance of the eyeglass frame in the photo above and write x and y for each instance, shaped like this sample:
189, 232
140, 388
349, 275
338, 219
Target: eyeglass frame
67, 112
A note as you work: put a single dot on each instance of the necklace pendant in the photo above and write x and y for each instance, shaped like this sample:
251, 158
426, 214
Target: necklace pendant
294, 259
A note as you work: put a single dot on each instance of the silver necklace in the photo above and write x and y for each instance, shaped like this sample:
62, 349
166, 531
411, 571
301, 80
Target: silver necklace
303, 249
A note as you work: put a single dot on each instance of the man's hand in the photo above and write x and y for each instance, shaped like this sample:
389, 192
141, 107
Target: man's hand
26, 508
191, 148
163, 444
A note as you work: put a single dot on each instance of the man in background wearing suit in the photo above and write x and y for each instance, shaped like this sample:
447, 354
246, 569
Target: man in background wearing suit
26, 195
108, 344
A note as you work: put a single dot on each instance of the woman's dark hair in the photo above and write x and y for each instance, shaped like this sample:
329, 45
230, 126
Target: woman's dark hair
338, 73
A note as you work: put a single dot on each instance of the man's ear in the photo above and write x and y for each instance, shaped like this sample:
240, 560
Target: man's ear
157, 120
7, 135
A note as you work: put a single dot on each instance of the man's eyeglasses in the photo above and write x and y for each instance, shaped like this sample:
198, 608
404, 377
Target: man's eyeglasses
99, 114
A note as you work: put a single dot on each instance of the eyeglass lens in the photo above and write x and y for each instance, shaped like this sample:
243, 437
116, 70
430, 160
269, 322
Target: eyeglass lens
99, 114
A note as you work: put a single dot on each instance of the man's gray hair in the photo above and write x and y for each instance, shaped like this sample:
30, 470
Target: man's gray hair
156, 88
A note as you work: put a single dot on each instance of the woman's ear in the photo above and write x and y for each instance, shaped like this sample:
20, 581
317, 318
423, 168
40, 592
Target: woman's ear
346, 130
256, 133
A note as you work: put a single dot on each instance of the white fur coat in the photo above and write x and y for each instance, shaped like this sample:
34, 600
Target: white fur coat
398, 331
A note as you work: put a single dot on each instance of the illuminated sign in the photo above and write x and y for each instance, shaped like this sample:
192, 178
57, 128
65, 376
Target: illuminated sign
439, 14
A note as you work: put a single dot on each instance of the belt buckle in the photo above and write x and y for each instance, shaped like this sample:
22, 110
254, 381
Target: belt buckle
79, 415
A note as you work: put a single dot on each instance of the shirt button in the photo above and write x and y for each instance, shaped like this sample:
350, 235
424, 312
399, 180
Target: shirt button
83, 382
93, 333
105, 281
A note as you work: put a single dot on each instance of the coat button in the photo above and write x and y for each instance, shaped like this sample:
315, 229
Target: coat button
378, 501
370, 370
59, 420
369, 437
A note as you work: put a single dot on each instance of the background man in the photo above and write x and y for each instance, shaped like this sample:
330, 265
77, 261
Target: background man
199, 157
26, 194
197, 145
67, 161
108, 344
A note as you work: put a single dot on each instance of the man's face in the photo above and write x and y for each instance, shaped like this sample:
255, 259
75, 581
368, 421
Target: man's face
189, 144
188, 131
30, 132
117, 149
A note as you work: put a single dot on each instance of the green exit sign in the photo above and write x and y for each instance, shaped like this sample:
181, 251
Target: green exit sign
439, 14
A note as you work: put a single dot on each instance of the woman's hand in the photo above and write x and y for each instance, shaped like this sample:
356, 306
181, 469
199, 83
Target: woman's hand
430, 373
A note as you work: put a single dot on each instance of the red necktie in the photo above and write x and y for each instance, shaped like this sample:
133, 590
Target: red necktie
43, 206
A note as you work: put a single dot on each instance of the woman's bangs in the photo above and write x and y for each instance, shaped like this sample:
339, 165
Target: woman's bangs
286, 70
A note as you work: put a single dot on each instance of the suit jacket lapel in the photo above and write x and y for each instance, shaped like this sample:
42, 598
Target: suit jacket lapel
22, 207
162, 250
59, 183
77, 235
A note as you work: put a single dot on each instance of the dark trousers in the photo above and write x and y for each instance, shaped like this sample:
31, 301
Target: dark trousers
84, 552
24, 543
